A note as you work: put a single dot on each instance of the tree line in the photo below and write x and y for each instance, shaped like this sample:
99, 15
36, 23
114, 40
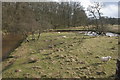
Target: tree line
34, 17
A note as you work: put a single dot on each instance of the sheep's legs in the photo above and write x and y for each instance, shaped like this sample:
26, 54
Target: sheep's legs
103, 62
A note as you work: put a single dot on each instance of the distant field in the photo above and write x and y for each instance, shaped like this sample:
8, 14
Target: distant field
55, 56
114, 28
109, 28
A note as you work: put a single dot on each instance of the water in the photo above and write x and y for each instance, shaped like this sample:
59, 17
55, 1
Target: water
9, 43
90, 33
109, 34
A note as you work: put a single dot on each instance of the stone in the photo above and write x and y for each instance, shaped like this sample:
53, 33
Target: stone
32, 60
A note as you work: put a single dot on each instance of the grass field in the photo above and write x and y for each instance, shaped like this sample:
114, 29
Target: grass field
63, 55
107, 28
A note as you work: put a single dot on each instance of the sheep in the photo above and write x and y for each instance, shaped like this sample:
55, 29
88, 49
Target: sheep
105, 59
64, 36
58, 32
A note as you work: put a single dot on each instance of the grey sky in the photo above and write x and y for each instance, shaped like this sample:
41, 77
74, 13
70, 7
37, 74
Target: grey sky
110, 8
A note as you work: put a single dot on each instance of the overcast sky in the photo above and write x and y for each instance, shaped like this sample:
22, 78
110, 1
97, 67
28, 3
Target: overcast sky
109, 9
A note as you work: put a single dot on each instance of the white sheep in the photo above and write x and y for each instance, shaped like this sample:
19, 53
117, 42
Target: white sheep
105, 59
64, 36
58, 32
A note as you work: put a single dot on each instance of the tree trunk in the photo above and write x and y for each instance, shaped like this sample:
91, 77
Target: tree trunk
118, 70
33, 37
39, 35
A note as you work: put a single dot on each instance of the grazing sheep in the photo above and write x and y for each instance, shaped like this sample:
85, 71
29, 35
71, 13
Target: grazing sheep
64, 36
105, 59
58, 32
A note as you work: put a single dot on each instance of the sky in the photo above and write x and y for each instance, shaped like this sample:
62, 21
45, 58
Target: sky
109, 9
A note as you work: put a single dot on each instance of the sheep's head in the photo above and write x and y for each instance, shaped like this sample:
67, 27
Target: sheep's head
109, 57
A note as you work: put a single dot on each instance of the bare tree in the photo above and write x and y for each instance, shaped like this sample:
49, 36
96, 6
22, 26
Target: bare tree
95, 12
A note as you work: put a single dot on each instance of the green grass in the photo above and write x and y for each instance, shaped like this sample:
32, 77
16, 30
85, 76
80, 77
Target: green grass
75, 56
113, 28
